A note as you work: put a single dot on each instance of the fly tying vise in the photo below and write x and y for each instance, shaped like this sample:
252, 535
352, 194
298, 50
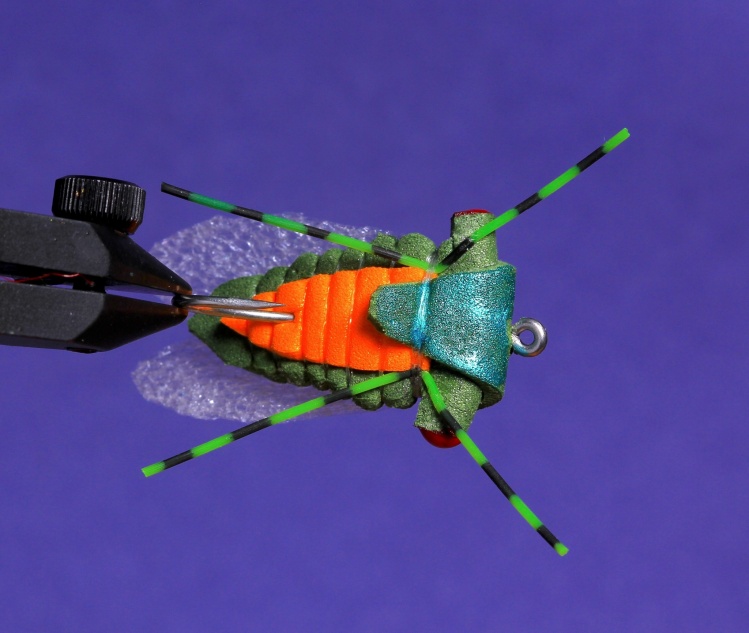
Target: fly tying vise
381, 322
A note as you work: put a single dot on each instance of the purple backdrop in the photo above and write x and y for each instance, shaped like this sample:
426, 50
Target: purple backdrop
627, 436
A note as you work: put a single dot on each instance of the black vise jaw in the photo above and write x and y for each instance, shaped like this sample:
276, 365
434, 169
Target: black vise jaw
57, 271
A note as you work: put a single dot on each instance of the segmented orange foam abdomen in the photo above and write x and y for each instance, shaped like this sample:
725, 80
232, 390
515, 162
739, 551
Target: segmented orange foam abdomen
330, 323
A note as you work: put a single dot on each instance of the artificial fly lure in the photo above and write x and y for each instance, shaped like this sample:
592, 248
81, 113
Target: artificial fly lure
385, 322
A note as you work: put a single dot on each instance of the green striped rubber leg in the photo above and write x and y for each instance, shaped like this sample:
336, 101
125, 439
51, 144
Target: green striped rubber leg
436, 397
278, 418
526, 204
297, 227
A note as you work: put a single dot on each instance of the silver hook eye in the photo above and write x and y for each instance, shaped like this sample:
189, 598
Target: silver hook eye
539, 337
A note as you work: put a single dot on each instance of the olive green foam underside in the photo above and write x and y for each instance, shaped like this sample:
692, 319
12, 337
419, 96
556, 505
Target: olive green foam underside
463, 397
238, 351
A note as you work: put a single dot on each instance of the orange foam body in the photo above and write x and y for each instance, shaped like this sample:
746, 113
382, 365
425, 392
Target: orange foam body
330, 323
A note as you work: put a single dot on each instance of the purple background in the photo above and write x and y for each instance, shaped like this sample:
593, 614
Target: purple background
628, 436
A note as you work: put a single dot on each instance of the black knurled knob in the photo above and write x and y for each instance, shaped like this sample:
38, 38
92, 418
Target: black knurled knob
116, 204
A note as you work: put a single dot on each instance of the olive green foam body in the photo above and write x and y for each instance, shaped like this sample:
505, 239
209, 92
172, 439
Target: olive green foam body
464, 394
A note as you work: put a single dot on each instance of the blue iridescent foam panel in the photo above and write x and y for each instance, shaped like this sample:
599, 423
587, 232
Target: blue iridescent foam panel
461, 320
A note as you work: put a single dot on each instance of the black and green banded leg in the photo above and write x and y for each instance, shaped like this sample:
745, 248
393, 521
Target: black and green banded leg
446, 417
297, 227
526, 204
278, 418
